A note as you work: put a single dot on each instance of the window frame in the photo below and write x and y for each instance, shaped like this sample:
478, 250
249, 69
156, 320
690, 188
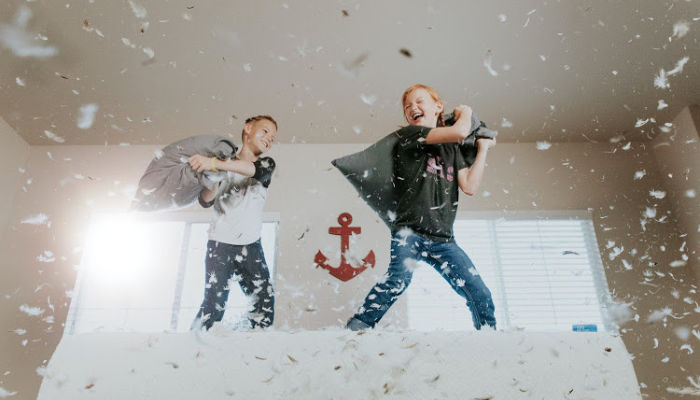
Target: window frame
595, 263
188, 218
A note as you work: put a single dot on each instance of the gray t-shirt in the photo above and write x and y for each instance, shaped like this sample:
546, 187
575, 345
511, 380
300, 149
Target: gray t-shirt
426, 176
239, 205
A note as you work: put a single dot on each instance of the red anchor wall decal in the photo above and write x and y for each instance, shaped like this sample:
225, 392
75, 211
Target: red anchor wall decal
344, 271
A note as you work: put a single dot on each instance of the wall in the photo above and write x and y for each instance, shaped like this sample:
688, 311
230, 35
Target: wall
71, 182
678, 156
13, 157
14, 152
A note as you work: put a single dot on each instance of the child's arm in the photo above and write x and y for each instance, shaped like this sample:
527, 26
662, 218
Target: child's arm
455, 133
207, 196
469, 179
200, 163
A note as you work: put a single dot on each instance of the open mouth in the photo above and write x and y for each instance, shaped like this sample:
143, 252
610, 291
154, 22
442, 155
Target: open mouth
417, 116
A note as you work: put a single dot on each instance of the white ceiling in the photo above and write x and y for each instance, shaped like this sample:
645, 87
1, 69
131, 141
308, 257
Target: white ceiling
566, 71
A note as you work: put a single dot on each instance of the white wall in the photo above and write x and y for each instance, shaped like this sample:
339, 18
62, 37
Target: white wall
678, 157
71, 182
14, 152
13, 157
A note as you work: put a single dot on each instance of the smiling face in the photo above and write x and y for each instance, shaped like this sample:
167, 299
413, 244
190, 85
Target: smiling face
260, 135
421, 108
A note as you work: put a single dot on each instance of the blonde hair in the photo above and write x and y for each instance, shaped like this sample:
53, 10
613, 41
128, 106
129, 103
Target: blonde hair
432, 92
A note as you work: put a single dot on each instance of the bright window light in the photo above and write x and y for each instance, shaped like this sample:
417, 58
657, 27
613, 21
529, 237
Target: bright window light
121, 250
147, 274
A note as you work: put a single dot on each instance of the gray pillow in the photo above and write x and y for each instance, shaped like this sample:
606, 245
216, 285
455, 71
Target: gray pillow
169, 182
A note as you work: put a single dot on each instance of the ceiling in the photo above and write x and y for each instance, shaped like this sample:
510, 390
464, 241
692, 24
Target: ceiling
334, 71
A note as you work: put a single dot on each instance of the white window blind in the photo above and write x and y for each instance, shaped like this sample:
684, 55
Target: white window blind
149, 275
544, 274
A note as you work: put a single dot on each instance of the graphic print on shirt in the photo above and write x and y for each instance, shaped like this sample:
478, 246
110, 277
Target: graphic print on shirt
436, 166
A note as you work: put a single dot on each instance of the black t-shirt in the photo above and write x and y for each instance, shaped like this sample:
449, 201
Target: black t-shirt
426, 177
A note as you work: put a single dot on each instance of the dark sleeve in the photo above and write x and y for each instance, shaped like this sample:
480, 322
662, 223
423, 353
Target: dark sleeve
468, 153
203, 203
264, 167
412, 136
468, 147
460, 159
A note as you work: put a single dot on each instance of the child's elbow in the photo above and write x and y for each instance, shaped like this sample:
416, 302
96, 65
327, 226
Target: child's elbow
469, 191
462, 134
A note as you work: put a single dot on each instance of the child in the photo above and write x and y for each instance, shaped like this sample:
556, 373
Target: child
234, 238
429, 167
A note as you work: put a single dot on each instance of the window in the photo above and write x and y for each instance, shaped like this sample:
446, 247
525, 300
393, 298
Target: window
543, 270
148, 275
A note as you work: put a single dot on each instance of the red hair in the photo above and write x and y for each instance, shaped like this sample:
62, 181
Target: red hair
432, 92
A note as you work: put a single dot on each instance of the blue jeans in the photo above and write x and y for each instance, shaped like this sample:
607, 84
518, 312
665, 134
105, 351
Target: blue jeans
448, 259
248, 262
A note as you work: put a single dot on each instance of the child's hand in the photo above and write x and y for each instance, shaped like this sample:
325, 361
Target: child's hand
462, 110
200, 163
485, 144
463, 119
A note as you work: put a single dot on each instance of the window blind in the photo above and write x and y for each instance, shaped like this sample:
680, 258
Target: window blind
544, 274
